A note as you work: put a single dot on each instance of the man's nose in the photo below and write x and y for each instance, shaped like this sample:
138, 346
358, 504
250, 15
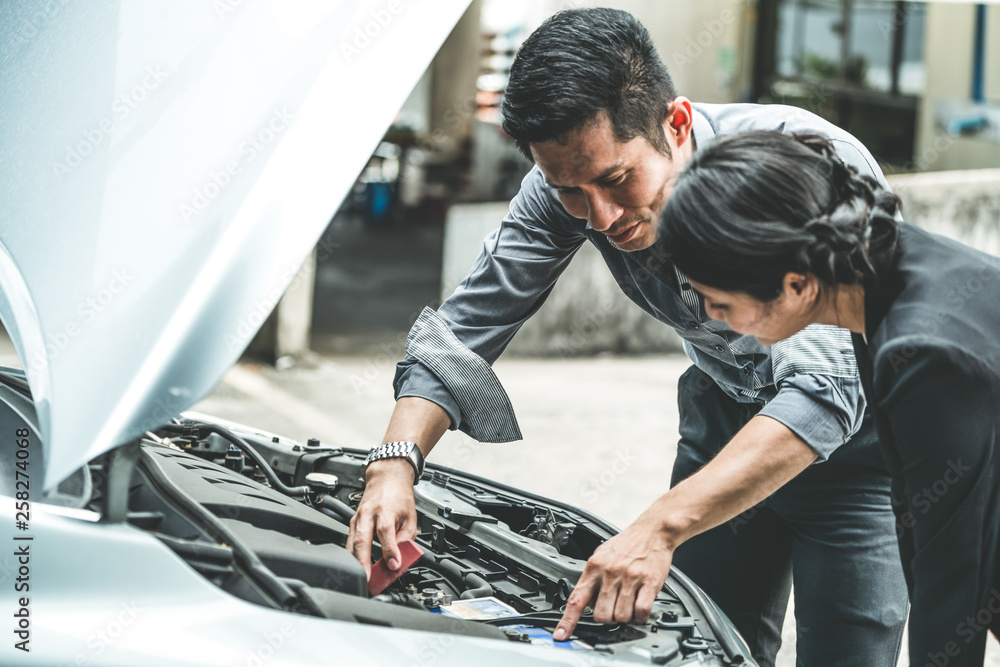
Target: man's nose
602, 212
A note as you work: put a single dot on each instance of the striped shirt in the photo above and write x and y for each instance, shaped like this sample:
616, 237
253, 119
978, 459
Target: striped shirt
808, 382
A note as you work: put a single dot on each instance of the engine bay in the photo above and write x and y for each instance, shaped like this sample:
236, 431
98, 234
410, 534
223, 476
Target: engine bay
498, 563
266, 519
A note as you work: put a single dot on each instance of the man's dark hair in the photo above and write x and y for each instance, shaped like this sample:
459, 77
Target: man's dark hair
578, 63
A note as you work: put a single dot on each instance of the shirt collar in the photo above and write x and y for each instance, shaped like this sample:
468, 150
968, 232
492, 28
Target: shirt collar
701, 129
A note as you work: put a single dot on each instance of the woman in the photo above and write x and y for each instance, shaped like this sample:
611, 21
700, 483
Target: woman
776, 233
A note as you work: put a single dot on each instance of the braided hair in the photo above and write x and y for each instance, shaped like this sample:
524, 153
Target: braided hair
752, 207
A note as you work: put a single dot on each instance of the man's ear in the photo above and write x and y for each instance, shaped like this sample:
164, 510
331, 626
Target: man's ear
680, 120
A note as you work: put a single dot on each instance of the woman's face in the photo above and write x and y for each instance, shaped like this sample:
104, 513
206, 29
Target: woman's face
767, 321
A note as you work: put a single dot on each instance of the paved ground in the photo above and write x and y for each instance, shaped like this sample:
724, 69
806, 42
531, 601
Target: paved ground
599, 433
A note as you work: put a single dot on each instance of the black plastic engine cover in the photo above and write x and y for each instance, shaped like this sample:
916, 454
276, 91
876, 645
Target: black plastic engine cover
319, 565
230, 495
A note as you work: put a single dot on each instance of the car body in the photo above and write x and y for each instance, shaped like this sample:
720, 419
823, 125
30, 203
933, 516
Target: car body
168, 166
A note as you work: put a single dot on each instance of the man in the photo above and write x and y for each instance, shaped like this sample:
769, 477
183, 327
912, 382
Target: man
592, 104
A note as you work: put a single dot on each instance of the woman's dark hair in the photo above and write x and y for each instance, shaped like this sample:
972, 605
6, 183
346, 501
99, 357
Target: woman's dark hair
578, 63
752, 207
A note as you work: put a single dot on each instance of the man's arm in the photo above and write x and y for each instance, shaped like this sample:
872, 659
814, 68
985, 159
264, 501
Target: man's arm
818, 407
626, 572
387, 509
445, 380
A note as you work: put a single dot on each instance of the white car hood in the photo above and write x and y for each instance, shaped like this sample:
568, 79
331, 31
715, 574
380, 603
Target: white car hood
167, 167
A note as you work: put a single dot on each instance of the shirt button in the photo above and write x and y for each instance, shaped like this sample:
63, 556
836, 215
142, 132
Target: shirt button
685, 286
693, 325
719, 348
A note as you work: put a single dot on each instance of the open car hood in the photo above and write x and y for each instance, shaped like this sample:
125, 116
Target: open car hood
167, 167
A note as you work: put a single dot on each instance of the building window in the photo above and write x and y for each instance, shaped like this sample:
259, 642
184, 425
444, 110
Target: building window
858, 63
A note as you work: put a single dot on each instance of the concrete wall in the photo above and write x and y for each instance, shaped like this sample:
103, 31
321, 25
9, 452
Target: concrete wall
948, 51
964, 205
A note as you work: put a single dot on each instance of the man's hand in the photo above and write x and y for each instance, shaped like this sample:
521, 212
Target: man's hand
386, 510
626, 572
624, 575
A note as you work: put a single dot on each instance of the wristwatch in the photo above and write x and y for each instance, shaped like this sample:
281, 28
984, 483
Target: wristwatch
397, 450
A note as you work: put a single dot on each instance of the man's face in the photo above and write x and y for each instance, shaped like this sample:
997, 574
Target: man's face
619, 188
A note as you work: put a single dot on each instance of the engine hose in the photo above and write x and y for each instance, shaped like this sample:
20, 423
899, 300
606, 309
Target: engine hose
474, 585
335, 508
272, 477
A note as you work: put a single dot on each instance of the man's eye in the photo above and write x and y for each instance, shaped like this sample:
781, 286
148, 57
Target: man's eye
567, 191
617, 180
716, 306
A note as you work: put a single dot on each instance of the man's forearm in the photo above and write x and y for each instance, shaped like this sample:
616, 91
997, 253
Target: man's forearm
759, 460
414, 419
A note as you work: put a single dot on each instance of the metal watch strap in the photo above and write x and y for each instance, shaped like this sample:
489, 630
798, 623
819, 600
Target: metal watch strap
400, 449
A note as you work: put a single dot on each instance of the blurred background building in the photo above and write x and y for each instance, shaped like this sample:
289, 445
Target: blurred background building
917, 82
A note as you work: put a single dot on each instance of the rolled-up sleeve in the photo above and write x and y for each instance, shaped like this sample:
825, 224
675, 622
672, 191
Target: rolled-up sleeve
825, 411
509, 282
414, 379
819, 396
